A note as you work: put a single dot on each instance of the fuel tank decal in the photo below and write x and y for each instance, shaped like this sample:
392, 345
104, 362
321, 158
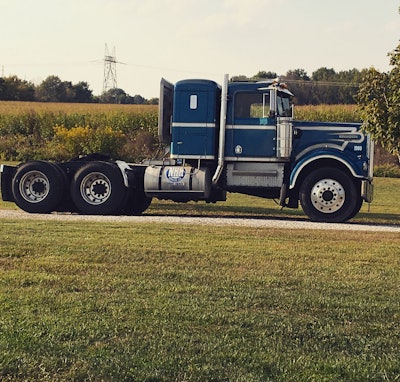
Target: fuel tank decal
176, 174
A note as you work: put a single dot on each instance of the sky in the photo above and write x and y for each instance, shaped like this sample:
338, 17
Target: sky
181, 39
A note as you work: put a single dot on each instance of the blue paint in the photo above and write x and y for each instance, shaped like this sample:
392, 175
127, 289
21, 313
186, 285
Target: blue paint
251, 132
195, 114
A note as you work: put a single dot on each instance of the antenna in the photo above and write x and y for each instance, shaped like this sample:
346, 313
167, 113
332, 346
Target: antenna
110, 70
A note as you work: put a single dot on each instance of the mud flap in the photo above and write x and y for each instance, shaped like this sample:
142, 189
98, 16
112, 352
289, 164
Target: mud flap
7, 174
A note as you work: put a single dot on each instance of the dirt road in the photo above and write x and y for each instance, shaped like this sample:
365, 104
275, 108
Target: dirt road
216, 221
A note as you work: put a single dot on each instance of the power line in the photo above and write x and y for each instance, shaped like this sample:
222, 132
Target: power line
321, 83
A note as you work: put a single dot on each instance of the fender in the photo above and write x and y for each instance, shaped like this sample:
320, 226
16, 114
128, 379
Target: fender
123, 166
316, 156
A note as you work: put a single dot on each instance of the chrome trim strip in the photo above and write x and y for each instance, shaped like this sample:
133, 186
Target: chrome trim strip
184, 156
187, 124
255, 159
251, 127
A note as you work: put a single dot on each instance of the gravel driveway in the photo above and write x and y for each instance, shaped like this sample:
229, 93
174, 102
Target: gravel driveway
215, 221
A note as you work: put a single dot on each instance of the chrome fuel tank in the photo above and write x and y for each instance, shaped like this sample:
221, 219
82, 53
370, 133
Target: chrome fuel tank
180, 183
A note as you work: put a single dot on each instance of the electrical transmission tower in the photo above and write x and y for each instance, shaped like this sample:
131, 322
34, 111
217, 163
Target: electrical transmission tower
110, 70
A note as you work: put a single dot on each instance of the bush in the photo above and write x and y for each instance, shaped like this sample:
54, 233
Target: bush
387, 171
19, 147
85, 140
141, 146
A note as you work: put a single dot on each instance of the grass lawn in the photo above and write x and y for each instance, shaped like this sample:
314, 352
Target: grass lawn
156, 302
138, 302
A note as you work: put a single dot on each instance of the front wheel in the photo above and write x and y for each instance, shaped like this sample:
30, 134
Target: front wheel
329, 195
98, 189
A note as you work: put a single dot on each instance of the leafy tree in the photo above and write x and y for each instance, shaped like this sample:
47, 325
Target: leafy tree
116, 95
325, 91
52, 89
3, 89
299, 84
324, 74
297, 74
325, 86
336, 87
239, 78
111, 95
379, 100
263, 75
119, 96
153, 101
14, 89
139, 100
348, 85
81, 93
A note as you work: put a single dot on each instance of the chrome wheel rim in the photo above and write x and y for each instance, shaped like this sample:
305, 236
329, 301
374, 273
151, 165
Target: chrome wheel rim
328, 196
95, 188
34, 186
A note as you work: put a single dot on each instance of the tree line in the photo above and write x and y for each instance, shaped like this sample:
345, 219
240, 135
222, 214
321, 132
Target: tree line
53, 89
324, 86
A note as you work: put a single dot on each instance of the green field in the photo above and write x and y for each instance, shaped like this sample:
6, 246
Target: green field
165, 302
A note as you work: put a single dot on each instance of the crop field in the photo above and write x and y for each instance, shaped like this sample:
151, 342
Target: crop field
21, 108
34, 130
340, 113
57, 131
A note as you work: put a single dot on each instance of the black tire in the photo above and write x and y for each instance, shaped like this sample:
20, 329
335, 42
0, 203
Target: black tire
329, 195
38, 187
66, 204
137, 203
98, 189
357, 207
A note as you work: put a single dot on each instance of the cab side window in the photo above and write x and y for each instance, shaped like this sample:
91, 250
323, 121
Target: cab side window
251, 105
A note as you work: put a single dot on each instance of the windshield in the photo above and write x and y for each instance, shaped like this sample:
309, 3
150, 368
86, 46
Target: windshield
284, 104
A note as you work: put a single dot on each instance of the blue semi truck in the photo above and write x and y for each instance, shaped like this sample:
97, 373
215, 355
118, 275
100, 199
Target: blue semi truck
239, 137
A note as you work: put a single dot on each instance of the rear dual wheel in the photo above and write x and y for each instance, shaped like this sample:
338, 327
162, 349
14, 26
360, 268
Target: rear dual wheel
98, 189
38, 187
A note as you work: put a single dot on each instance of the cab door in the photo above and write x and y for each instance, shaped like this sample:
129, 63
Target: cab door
253, 129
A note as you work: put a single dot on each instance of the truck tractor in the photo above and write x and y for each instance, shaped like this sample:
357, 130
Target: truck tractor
239, 137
